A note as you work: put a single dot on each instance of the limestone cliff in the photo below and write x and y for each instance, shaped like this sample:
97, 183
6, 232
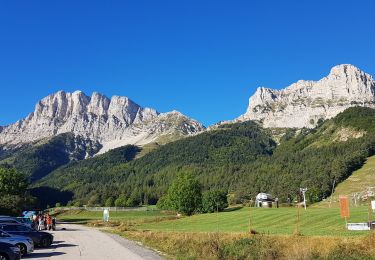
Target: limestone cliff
111, 122
303, 103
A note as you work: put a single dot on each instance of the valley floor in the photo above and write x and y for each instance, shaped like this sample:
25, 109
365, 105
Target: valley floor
320, 233
281, 221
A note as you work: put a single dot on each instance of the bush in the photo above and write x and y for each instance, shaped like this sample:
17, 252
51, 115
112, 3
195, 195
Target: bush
121, 201
132, 202
93, 201
214, 200
109, 202
164, 203
185, 194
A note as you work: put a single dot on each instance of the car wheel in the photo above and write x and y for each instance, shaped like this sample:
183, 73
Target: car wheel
22, 248
4, 257
46, 242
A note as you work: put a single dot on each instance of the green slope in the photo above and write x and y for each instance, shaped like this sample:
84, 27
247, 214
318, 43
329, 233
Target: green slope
241, 158
358, 182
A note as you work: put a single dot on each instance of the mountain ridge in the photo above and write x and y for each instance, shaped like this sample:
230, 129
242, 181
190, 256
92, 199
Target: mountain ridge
304, 103
113, 122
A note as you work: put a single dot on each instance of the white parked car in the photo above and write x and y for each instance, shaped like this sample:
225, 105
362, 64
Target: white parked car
25, 244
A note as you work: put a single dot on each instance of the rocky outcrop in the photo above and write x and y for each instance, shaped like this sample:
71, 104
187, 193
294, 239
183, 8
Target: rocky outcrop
111, 122
304, 103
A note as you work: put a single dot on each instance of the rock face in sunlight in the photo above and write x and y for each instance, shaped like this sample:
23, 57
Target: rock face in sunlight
111, 122
304, 103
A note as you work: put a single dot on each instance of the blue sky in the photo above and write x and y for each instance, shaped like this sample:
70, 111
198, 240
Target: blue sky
203, 58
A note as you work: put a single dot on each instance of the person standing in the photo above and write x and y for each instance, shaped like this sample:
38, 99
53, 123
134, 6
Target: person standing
49, 222
45, 222
53, 223
40, 223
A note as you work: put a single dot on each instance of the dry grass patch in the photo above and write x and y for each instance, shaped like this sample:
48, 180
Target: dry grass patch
248, 246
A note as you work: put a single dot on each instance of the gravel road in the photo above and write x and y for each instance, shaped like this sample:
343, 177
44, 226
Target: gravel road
80, 242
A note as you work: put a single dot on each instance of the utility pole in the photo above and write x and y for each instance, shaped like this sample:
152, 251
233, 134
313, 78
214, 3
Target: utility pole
250, 217
298, 216
217, 216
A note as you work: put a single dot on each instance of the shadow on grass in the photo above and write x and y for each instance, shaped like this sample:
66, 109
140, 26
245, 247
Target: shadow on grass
233, 209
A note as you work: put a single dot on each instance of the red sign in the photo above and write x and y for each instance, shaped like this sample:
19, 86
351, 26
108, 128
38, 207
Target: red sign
344, 207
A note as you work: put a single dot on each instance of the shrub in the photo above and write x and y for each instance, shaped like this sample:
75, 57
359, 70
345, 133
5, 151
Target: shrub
109, 202
214, 200
185, 194
121, 201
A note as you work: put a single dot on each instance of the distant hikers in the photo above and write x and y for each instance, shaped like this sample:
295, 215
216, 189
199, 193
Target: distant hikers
43, 222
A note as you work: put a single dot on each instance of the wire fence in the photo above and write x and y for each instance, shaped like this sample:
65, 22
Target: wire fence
103, 208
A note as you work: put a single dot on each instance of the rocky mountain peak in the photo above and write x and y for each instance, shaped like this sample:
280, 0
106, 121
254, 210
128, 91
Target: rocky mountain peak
111, 122
99, 104
345, 70
303, 103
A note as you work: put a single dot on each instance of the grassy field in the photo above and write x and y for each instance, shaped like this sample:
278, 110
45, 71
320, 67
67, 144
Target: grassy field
322, 233
282, 221
83, 216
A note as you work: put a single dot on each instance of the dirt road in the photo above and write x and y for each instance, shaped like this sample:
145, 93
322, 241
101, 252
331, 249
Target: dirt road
80, 242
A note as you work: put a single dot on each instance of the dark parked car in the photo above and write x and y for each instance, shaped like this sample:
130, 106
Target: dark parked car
9, 220
9, 252
42, 239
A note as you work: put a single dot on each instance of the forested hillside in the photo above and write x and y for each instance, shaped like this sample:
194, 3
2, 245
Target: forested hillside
39, 159
147, 178
242, 158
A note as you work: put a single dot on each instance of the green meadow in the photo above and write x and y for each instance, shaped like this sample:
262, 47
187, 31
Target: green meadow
278, 221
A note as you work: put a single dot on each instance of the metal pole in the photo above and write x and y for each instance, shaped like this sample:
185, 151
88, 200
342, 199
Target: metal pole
369, 210
217, 215
250, 218
298, 218
304, 199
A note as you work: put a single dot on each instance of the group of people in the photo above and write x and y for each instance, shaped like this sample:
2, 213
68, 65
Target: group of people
44, 222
